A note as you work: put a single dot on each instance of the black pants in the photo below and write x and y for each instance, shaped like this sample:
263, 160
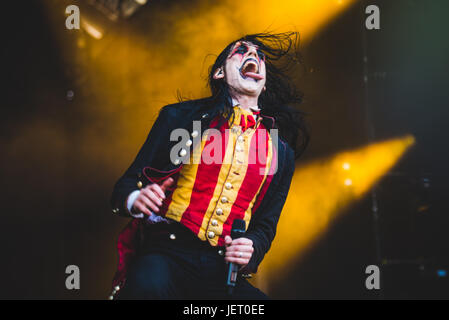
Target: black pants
175, 264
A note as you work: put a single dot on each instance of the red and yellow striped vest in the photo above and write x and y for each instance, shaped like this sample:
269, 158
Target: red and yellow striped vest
209, 195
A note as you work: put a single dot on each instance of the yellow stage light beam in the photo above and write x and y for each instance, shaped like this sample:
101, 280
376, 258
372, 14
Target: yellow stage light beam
319, 193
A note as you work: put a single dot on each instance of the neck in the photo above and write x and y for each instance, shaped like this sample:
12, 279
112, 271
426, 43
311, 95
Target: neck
245, 101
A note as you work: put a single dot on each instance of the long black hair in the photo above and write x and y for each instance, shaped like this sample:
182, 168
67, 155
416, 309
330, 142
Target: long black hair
281, 97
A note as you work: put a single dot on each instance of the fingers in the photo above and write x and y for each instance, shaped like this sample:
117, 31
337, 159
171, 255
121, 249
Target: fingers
228, 240
242, 241
241, 262
167, 184
241, 258
239, 250
156, 189
141, 208
239, 254
150, 195
150, 198
151, 203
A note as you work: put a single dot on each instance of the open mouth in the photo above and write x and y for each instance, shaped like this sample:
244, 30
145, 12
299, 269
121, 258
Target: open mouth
250, 69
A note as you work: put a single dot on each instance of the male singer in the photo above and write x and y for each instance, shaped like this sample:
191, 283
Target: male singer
237, 162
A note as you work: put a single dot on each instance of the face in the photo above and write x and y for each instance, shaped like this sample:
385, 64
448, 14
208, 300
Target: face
244, 70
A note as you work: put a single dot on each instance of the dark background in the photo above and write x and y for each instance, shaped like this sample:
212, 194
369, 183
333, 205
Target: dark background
55, 202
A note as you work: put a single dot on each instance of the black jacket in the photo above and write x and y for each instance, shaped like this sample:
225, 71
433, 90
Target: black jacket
155, 153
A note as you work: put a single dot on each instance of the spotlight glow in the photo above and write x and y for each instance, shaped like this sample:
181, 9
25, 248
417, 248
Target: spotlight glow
317, 197
92, 30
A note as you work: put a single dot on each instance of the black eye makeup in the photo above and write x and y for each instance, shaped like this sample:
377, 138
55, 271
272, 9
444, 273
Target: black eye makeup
243, 48
261, 54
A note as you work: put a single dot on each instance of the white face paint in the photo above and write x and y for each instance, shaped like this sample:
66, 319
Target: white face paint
244, 70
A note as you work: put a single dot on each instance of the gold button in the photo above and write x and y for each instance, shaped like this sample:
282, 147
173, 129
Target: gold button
139, 184
228, 185
173, 236
183, 152
214, 223
211, 234
224, 200
194, 133
189, 143
219, 211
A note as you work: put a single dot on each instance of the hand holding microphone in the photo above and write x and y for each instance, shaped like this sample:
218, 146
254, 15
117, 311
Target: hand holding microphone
238, 252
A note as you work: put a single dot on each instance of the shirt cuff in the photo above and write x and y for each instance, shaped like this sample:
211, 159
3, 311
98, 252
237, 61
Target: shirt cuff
130, 202
151, 219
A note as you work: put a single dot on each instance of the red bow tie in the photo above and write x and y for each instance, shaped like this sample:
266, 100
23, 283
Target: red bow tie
248, 121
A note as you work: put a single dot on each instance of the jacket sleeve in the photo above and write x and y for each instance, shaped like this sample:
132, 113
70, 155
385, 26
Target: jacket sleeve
262, 227
158, 137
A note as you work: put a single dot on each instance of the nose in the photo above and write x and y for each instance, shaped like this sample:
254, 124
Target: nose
252, 52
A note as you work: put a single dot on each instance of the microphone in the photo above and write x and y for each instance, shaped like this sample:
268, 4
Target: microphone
237, 231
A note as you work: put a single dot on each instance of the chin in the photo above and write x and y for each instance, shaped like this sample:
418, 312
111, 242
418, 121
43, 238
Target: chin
250, 89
